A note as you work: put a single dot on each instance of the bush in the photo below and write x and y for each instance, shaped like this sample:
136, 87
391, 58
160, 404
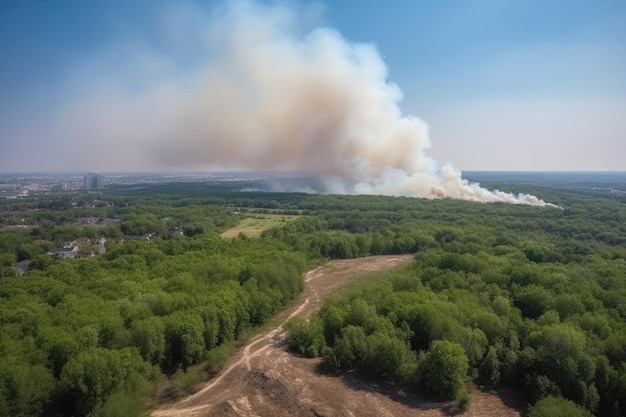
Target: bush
463, 399
184, 381
216, 358
305, 338
557, 407
444, 369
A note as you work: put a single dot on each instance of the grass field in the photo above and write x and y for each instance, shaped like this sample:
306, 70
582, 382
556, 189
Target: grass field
253, 226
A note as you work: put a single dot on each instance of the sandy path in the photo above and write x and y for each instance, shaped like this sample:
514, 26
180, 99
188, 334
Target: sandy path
264, 379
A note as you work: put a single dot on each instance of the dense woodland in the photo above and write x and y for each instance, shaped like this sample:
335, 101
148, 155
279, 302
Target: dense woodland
533, 298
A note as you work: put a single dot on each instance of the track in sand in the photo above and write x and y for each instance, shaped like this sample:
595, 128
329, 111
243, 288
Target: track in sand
264, 379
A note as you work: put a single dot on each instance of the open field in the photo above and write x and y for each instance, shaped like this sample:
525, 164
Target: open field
254, 226
264, 379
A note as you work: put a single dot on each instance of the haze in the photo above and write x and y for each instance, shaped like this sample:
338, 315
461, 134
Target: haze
182, 85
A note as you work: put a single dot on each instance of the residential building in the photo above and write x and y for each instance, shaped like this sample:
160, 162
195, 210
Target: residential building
94, 182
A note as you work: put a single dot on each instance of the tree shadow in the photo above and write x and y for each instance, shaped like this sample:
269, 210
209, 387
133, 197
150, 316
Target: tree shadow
413, 398
512, 397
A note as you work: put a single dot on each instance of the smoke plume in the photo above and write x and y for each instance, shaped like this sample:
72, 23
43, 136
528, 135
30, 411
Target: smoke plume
272, 97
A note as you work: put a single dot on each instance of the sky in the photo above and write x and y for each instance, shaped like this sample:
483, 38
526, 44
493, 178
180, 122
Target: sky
501, 85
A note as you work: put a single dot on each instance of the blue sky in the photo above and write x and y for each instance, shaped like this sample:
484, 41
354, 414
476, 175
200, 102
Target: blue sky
503, 85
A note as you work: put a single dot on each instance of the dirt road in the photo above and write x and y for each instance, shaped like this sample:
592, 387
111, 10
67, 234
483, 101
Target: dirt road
264, 379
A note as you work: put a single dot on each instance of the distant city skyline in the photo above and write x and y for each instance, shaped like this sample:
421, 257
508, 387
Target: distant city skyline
518, 86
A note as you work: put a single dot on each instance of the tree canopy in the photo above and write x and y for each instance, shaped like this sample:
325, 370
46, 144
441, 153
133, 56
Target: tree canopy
498, 294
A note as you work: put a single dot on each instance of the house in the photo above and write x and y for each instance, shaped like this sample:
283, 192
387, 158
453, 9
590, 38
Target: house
22, 267
66, 252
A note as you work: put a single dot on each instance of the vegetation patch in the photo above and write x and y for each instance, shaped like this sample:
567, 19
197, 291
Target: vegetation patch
255, 225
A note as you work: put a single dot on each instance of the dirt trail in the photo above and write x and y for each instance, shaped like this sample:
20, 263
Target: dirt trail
264, 379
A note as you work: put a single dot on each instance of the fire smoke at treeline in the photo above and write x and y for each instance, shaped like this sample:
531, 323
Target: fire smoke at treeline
273, 98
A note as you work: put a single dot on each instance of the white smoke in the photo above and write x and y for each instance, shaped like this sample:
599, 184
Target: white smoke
272, 98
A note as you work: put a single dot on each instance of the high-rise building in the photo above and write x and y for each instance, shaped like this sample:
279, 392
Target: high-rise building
94, 182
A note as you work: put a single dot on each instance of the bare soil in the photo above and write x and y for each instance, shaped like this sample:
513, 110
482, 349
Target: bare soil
265, 379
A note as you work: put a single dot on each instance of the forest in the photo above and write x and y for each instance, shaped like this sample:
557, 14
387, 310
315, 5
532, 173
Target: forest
498, 295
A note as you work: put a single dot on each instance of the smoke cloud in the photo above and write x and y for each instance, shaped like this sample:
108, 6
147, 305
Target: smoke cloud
272, 97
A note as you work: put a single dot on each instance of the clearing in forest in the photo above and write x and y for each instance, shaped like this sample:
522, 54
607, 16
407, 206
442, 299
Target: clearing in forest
265, 379
254, 225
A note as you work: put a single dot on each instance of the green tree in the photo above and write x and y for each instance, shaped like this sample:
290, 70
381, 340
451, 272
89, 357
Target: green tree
25, 389
59, 345
557, 407
149, 336
389, 356
351, 348
443, 370
184, 335
532, 300
489, 369
6, 265
96, 373
305, 338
